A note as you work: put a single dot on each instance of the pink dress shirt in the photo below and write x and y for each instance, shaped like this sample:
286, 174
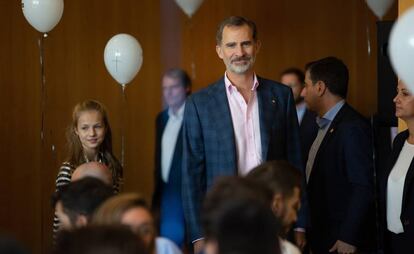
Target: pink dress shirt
246, 124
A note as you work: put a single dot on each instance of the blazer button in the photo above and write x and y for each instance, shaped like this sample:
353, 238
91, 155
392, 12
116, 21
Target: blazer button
406, 222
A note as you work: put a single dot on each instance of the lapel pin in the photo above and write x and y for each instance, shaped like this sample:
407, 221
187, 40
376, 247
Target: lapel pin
332, 130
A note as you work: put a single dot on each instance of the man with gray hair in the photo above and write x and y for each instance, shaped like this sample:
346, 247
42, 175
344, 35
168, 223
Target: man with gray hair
166, 203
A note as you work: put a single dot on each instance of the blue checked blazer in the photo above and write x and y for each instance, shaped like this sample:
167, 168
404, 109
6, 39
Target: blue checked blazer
209, 149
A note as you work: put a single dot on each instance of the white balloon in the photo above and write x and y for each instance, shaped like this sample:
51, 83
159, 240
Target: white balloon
189, 6
123, 58
379, 7
43, 15
401, 48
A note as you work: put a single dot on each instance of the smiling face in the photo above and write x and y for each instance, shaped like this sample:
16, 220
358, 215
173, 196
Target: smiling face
90, 130
238, 49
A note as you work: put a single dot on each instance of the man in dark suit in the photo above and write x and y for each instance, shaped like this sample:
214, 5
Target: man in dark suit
295, 79
339, 170
167, 202
236, 123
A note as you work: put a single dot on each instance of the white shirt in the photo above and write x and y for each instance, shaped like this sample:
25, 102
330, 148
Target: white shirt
169, 140
300, 111
246, 125
395, 188
287, 247
165, 246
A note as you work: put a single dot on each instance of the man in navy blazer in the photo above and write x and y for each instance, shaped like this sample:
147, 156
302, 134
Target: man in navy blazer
339, 170
295, 79
234, 124
166, 201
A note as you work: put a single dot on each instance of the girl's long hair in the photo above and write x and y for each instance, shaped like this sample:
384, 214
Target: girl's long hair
76, 155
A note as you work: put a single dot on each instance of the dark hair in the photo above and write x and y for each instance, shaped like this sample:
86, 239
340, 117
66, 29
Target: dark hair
235, 21
99, 240
237, 215
82, 197
11, 246
182, 76
295, 71
75, 150
333, 72
279, 176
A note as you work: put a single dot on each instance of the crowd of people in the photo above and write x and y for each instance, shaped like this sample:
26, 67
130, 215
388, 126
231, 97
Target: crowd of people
246, 165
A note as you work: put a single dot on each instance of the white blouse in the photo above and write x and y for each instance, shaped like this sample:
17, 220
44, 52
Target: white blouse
395, 188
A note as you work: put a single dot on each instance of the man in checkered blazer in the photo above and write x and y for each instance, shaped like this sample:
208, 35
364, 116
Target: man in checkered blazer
234, 124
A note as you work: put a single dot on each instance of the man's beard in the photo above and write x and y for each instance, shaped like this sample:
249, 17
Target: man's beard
241, 69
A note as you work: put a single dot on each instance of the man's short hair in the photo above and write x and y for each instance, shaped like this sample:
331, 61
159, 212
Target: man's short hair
237, 215
235, 21
181, 75
295, 71
99, 240
333, 72
279, 176
82, 197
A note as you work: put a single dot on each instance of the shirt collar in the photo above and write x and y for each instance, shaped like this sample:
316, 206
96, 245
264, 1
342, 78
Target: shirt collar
178, 114
230, 87
330, 115
301, 106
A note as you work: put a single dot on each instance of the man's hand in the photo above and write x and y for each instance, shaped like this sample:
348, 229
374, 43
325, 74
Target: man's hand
343, 248
300, 239
198, 246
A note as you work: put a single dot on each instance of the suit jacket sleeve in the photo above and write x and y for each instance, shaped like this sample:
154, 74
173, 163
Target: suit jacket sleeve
156, 197
193, 169
294, 156
359, 170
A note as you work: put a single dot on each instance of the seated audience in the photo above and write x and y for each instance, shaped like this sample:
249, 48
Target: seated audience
397, 182
237, 218
285, 182
75, 203
132, 210
99, 240
93, 169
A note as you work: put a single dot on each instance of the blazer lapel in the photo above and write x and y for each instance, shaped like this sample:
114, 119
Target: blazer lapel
220, 113
330, 132
268, 104
410, 173
164, 120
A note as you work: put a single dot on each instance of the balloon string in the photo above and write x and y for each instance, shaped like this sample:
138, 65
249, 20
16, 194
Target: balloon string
124, 102
42, 85
367, 30
193, 66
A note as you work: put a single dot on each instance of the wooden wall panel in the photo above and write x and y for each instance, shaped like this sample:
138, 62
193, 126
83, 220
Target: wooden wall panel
293, 32
20, 209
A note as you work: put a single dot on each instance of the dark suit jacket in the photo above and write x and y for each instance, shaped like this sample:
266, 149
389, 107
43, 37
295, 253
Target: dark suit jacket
175, 171
407, 211
340, 187
308, 129
209, 141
